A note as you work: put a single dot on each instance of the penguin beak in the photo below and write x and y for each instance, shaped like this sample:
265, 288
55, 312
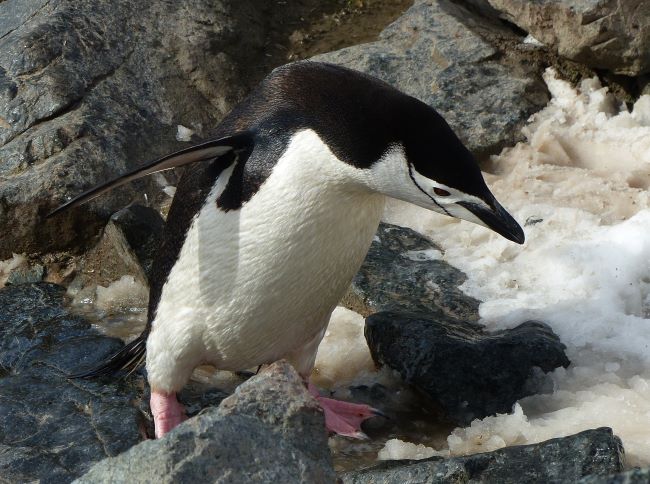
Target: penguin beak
498, 219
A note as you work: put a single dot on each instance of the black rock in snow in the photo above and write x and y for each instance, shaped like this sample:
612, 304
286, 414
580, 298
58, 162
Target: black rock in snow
469, 372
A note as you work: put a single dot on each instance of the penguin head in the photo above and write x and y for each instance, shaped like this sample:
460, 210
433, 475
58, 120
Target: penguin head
429, 166
400, 146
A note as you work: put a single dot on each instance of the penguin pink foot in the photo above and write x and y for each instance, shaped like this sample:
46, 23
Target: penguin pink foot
167, 412
344, 418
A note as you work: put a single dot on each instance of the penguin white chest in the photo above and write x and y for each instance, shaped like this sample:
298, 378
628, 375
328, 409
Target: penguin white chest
252, 285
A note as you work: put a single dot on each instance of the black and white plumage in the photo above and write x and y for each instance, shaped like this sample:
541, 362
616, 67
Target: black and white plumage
271, 221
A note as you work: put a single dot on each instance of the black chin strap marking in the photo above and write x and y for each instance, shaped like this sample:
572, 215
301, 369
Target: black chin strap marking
424, 191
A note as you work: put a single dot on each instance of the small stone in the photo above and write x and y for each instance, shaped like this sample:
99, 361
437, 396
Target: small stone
26, 275
183, 133
467, 371
111, 260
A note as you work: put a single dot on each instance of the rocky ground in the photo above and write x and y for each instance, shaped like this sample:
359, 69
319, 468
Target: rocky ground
88, 90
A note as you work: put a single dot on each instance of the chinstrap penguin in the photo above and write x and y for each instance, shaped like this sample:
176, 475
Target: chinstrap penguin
274, 216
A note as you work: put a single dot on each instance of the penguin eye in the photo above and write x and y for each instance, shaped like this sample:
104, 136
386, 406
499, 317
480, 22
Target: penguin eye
441, 192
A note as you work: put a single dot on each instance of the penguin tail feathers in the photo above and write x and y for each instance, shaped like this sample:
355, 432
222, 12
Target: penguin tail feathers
128, 359
206, 151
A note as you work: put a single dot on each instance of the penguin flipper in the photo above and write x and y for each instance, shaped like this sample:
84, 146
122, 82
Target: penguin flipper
206, 151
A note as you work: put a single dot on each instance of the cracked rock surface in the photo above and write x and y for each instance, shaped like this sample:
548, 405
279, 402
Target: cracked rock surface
435, 52
53, 429
91, 89
604, 34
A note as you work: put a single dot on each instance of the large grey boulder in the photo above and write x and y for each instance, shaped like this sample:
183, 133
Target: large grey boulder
270, 430
558, 461
603, 34
436, 52
53, 429
467, 371
91, 89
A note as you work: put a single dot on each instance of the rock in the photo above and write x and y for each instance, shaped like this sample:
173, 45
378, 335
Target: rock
89, 90
403, 271
437, 53
142, 228
467, 371
127, 247
634, 476
269, 430
560, 461
53, 429
26, 274
111, 259
604, 34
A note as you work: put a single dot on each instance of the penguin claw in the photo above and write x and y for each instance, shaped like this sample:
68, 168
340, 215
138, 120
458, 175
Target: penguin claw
378, 413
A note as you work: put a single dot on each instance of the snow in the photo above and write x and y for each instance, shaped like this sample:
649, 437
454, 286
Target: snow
124, 294
183, 133
529, 39
170, 191
580, 185
343, 355
396, 449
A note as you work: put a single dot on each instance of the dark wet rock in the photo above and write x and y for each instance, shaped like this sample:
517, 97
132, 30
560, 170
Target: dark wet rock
142, 228
269, 430
437, 52
91, 89
53, 429
558, 461
402, 271
605, 34
634, 476
467, 371
26, 274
